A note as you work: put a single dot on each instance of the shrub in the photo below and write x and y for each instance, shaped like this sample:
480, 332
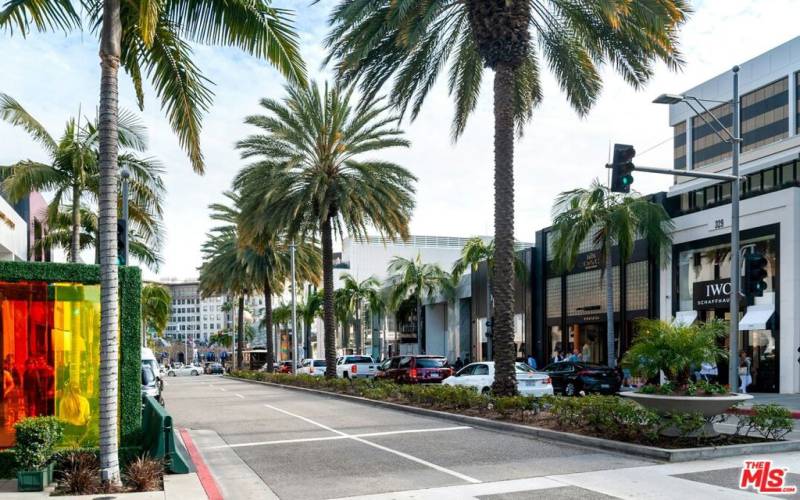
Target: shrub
79, 473
771, 421
687, 424
36, 438
605, 416
145, 474
674, 349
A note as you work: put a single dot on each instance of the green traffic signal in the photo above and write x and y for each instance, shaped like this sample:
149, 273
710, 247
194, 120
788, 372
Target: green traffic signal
627, 180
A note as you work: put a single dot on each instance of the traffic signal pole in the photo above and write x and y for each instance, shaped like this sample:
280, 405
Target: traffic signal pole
733, 361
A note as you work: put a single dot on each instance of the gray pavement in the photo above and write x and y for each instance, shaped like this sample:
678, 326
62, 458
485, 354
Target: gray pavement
302, 445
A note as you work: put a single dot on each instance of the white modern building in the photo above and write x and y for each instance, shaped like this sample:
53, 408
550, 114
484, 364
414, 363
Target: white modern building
693, 286
13, 233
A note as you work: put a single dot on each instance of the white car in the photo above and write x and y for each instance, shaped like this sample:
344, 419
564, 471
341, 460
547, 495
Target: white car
184, 370
313, 367
480, 375
355, 366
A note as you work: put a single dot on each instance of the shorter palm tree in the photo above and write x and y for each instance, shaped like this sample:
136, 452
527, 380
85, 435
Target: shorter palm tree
415, 280
156, 305
608, 219
310, 309
355, 295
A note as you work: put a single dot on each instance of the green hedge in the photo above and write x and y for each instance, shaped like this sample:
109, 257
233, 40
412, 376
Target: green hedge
130, 285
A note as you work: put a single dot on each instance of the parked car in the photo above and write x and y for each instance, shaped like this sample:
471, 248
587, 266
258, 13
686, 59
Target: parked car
314, 367
184, 370
151, 386
572, 377
215, 369
383, 367
354, 366
284, 367
480, 375
418, 369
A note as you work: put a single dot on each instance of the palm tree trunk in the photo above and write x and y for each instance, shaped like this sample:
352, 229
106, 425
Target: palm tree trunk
75, 243
611, 356
505, 382
420, 336
109, 313
327, 299
268, 325
357, 327
240, 334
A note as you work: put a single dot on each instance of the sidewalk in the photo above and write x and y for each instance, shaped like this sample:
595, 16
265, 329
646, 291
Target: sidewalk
790, 401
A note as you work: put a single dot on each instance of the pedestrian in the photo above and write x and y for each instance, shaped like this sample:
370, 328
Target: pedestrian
745, 376
555, 358
575, 356
532, 361
458, 364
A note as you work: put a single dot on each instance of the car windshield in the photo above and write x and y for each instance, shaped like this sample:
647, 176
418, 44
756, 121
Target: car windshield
431, 362
358, 359
148, 377
319, 363
523, 367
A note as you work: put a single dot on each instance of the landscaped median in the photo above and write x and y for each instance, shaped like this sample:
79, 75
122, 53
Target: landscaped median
607, 422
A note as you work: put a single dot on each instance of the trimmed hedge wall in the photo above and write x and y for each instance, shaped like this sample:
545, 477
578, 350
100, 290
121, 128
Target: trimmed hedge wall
130, 286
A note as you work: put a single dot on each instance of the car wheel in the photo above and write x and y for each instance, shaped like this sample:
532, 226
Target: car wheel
170, 374
569, 389
346, 375
195, 373
486, 390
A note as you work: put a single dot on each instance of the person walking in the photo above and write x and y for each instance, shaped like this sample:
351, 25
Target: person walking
745, 377
458, 365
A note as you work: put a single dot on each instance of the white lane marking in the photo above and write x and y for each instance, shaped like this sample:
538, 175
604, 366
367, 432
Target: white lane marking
238, 395
348, 436
223, 389
445, 470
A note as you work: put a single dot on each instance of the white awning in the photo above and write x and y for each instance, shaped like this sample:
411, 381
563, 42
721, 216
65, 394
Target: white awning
756, 317
684, 318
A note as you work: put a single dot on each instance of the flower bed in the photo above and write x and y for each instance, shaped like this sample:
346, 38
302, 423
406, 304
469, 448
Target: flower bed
608, 417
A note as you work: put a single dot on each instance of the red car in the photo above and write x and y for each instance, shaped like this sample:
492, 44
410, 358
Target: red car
417, 369
284, 367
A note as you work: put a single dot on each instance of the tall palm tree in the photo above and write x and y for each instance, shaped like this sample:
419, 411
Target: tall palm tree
156, 305
151, 40
310, 175
72, 173
356, 294
608, 219
411, 42
416, 280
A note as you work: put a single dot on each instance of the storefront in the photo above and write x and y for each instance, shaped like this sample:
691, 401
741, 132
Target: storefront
572, 305
701, 292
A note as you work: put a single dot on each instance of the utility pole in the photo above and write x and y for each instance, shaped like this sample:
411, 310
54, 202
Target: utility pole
293, 248
733, 364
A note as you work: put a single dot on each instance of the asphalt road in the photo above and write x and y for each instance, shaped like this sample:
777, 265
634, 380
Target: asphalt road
307, 446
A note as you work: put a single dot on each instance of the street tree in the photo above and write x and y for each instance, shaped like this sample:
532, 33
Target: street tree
156, 306
310, 175
409, 43
356, 294
152, 40
608, 220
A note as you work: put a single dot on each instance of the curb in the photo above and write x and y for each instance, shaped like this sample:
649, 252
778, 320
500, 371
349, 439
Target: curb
663, 454
206, 478
749, 411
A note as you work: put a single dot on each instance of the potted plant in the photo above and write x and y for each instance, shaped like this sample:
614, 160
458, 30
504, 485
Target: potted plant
676, 350
36, 438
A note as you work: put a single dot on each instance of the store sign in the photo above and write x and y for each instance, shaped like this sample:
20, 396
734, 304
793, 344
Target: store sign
588, 261
715, 294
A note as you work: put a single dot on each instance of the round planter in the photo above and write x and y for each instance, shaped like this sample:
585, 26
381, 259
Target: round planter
708, 406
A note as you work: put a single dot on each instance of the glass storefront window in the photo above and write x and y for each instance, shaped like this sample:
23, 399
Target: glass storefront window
787, 173
769, 179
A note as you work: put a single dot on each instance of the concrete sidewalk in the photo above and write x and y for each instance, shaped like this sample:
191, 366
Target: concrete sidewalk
176, 487
789, 401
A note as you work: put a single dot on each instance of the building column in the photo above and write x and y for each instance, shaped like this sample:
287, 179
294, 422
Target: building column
689, 145
792, 109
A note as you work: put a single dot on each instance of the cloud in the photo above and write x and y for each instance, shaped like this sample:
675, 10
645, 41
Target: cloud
52, 75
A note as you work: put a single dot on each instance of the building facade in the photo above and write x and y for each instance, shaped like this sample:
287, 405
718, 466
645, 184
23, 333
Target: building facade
696, 285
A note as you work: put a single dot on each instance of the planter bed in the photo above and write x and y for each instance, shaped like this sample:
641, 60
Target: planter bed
544, 426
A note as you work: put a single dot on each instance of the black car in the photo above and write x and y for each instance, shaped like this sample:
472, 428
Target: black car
215, 369
572, 377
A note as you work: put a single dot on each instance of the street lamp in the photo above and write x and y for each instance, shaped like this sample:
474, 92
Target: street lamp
293, 248
735, 140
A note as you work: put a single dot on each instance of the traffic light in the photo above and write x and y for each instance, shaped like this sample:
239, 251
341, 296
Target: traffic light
755, 275
122, 242
621, 168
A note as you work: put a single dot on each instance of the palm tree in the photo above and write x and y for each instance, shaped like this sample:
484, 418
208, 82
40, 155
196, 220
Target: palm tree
72, 174
156, 305
355, 294
608, 219
309, 310
410, 42
310, 175
151, 39
343, 312
415, 280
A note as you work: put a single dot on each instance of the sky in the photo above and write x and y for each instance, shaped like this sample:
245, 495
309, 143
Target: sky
55, 75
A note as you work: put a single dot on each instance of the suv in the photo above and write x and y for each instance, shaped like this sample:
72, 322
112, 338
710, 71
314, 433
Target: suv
418, 369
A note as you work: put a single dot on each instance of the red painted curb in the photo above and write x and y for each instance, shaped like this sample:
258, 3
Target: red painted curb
749, 411
206, 479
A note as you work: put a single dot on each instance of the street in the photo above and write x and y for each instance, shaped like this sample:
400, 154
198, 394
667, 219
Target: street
262, 442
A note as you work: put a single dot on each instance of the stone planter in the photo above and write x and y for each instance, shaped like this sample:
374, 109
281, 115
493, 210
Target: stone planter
708, 406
